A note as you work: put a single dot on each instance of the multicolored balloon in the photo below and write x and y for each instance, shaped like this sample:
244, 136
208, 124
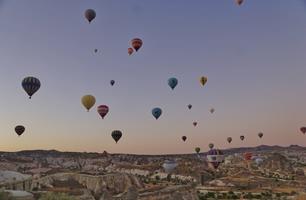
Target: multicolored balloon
88, 101
136, 43
90, 14
19, 130
203, 80
215, 157
172, 82
116, 135
31, 85
103, 110
156, 112
184, 138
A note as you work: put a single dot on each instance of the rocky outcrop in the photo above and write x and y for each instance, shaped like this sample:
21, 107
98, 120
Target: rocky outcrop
278, 162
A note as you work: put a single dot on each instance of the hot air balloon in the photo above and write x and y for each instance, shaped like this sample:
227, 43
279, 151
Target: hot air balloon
241, 137
172, 82
116, 135
156, 112
229, 139
247, 156
215, 157
239, 2
212, 110
189, 106
19, 130
136, 43
184, 138
211, 145
169, 166
258, 161
303, 129
195, 123
197, 150
260, 135
88, 101
112, 82
90, 14
203, 80
96, 50
30, 85
130, 51
103, 110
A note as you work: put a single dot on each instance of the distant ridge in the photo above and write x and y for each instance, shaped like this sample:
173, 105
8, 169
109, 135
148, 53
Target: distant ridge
56, 153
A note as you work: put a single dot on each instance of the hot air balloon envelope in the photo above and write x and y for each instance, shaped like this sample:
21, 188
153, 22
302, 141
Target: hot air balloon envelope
31, 85
156, 112
172, 82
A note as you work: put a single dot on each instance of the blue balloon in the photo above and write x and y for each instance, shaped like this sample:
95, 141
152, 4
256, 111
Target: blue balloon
172, 82
156, 112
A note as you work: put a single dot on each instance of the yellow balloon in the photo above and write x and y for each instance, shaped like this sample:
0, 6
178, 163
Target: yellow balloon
203, 80
88, 101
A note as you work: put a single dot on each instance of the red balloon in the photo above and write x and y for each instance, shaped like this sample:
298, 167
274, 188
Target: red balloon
136, 43
103, 110
130, 51
247, 156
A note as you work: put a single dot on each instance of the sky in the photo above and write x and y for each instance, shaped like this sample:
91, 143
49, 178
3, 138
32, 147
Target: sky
253, 56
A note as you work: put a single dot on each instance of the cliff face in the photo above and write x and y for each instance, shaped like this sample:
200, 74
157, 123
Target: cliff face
113, 183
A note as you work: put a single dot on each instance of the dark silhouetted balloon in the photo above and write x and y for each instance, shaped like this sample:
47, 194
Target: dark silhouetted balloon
112, 82
90, 14
136, 43
239, 2
184, 138
303, 129
211, 145
31, 85
116, 135
103, 110
96, 50
189, 106
197, 149
195, 123
172, 82
229, 139
156, 112
260, 135
241, 137
19, 130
